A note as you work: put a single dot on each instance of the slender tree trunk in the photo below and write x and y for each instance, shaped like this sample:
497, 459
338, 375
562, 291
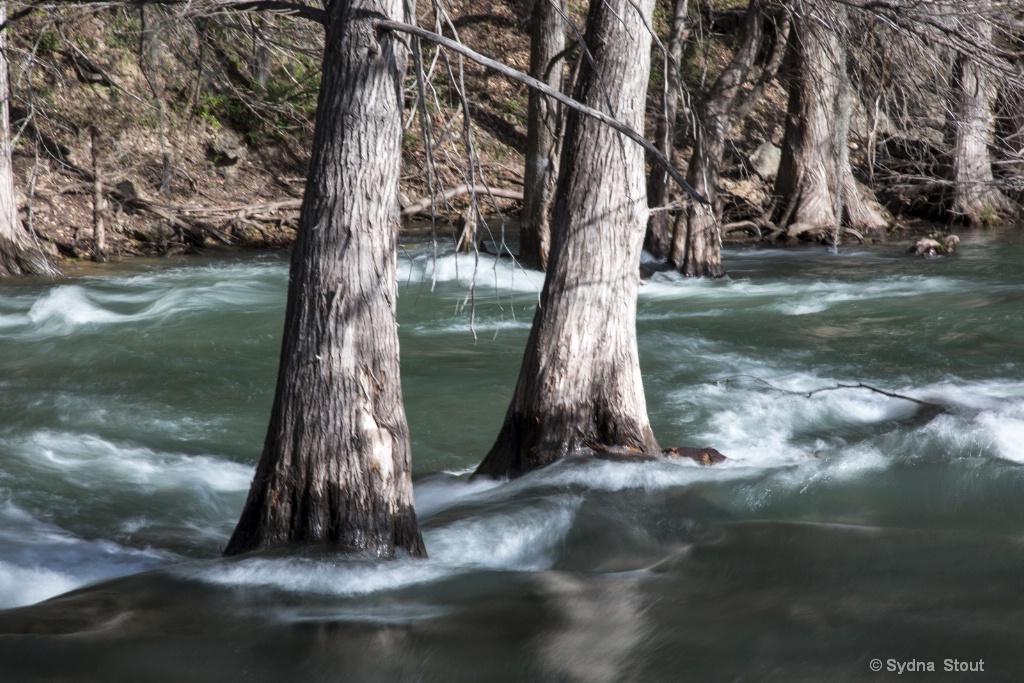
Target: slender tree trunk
579, 388
99, 231
542, 135
19, 253
696, 252
975, 196
658, 239
815, 185
336, 461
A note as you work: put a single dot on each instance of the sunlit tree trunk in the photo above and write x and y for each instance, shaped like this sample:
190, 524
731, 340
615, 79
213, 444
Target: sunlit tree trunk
658, 239
975, 196
579, 389
815, 185
336, 461
542, 134
19, 253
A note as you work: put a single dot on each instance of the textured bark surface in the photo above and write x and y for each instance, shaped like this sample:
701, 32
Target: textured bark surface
579, 388
658, 240
19, 253
975, 198
697, 250
336, 461
813, 167
542, 146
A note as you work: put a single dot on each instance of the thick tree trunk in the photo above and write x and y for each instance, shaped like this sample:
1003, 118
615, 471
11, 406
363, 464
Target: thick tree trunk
658, 239
975, 197
336, 461
696, 251
815, 184
579, 388
542, 135
19, 253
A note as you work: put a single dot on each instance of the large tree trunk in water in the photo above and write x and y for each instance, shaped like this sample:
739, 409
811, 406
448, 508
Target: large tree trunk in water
658, 238
696, 251
579, 388
815, 184
542, 138
336, 460
975, 197
19, 252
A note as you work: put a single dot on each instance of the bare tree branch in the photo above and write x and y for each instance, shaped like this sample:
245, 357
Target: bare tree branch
516, 75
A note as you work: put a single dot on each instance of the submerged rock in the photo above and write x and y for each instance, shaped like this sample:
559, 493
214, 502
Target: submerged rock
932, 246
701, 456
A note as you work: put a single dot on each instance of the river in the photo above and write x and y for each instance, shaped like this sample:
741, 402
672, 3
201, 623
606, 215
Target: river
849, 530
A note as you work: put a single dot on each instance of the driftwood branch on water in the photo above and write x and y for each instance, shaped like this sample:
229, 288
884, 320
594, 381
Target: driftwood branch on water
836, 387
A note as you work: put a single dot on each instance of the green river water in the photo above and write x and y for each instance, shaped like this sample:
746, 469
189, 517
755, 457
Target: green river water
846, 527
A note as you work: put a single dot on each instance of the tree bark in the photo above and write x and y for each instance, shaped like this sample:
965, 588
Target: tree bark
815, 185
579, 389
696, 251
336, 461
542, 135
19, 252
658, 239
976, 199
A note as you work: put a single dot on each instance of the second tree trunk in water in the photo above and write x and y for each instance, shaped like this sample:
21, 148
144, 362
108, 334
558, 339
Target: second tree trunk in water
579, 389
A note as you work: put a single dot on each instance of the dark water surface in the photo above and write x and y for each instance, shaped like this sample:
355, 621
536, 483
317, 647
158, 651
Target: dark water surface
847, 526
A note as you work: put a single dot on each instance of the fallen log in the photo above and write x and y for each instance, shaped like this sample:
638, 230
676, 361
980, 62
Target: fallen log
422, 205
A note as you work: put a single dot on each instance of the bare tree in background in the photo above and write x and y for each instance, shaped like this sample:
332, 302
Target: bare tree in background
696, 244
976, 199
658, 239
815, 187
547, 47
20, 253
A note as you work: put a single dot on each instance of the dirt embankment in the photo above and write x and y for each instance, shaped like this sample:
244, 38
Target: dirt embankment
200, 131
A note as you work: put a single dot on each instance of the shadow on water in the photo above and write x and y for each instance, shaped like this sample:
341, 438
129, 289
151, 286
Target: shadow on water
818, 603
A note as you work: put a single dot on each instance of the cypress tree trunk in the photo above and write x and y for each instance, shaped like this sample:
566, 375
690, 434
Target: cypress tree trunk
658, 239
336, 461
815, 184
697, 250
19, 253
542, 139
975, 197
579, 388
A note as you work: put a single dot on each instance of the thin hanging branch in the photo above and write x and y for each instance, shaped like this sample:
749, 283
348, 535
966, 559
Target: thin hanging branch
516, 75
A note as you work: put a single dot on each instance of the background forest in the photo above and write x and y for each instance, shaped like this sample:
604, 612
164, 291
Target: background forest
198, 122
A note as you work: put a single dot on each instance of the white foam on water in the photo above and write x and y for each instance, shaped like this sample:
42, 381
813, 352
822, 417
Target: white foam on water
40, 560
523, 540
986, 418
489, 273
95, 302
66, 308
790, 296
482, 326
436, 494
92, 462
21, 586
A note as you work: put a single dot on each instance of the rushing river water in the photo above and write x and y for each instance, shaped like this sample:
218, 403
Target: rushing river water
847, 526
